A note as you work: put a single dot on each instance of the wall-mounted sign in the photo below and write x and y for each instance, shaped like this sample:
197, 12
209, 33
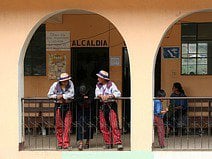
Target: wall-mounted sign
89, 43
57, 65
115, 61
58, 40
171, 52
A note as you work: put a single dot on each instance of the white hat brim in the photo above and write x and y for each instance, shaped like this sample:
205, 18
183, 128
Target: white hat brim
65, 79
102, 77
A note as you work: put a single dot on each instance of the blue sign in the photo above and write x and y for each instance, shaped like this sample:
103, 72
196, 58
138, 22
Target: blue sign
171, 52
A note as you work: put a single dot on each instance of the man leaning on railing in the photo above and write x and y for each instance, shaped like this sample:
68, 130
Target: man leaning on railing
62, 91
105, 90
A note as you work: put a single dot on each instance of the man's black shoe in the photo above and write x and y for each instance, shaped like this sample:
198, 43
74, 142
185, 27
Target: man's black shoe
120, 147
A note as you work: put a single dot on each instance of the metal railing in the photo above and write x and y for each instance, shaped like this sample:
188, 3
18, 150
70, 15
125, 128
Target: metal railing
38, 124
188, 127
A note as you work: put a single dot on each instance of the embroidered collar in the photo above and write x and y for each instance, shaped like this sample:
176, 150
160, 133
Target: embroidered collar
59, 89
108, 85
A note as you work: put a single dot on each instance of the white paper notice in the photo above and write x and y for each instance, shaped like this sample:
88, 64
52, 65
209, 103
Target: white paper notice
58, 40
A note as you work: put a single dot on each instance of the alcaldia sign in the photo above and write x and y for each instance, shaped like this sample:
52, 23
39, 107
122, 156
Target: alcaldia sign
89, 43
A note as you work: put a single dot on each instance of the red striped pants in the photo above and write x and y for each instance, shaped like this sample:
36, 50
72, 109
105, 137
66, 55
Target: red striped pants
63, 127
111, 133
160, 129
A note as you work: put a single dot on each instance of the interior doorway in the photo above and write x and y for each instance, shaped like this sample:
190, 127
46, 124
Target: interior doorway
86, 62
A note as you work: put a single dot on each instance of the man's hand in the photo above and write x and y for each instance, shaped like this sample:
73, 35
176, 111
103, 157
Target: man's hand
106, 97
60, 96
164, 111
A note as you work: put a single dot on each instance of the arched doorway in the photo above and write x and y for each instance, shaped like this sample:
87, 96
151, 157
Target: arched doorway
80, 43
185, 52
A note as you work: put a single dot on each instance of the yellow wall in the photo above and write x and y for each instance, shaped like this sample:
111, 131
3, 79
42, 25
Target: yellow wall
80, 26
142, 25
199, 85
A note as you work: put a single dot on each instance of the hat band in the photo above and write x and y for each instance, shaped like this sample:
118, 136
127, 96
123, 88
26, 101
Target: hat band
104, 76
64, 78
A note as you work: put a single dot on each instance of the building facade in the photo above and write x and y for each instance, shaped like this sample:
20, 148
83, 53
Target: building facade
143, 26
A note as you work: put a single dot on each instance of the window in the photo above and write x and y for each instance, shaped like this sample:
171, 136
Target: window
196, 48
35, 58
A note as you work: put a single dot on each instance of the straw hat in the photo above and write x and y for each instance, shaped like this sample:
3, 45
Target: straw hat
64, 77
103, 74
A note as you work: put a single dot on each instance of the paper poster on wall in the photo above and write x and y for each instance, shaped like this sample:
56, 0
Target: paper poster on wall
57, 65
170, 52
58, 40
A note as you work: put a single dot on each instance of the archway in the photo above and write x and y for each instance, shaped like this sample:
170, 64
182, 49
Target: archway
185, 52
74, 41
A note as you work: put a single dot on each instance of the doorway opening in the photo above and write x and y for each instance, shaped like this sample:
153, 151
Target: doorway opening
86, 62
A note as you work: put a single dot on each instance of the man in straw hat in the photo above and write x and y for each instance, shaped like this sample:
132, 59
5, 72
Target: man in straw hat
61, 91
105, 90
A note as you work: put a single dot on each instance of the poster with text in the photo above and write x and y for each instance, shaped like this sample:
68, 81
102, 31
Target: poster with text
57, 40
57, 65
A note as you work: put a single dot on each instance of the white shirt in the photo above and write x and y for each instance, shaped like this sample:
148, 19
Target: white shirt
104, 90
67, 94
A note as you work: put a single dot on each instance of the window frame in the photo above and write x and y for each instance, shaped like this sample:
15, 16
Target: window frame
195, 41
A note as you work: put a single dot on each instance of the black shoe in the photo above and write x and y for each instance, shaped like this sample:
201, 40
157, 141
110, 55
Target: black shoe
108, 146
162, 147
120, 147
